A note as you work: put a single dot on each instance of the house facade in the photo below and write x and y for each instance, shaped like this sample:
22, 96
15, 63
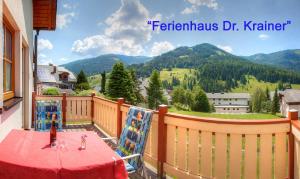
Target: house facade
18, 20
289, 99
55, 76
229, 102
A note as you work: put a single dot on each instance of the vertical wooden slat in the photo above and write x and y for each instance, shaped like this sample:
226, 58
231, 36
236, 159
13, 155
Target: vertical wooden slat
181, 148
64, 109
79, 112
206, 154
220, 155
74, 107
83, 110
69, 114
250, 156
171, 130
89, 109
280, 155
297, 160
265, 156
235, 156
147, 147
154, 141
193, 153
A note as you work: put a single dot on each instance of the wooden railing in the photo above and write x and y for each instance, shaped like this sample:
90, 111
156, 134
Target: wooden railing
295, 137
189, 147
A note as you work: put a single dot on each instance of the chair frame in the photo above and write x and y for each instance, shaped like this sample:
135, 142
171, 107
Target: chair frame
143, 168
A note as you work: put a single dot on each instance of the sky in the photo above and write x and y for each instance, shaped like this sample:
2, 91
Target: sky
88, 28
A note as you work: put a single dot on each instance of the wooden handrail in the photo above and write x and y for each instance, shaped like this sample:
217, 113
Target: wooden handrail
229, 121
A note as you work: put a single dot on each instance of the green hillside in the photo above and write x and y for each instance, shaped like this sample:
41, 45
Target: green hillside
97, 65
289, 59
215, 69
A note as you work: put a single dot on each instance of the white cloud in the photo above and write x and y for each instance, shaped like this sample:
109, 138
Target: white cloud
225, 48
126, 33
43, 59
159, 48
44, 44
63, 59
99, 44
195, 4
189, 10
263, 36
63, 20
67, 6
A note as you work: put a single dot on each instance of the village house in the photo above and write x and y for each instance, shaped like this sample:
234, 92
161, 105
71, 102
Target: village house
19, 19
55, 76
229, 102
289, 99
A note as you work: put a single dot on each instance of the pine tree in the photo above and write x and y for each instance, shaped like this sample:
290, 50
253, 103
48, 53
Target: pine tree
268, 94
280, 85
120, 84
154, 91
200, 100
136, 87
81, 77
257, 100
82, 82
103, 82
275, 103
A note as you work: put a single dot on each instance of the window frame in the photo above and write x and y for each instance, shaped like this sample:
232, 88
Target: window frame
11, 93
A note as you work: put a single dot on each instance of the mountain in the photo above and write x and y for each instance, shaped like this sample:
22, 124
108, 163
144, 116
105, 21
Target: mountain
217, 70
102, 63
289, 59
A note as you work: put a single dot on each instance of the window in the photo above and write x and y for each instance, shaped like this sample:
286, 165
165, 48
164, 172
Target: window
8, 62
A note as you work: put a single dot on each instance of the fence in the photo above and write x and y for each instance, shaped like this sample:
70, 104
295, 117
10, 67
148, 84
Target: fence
189, 147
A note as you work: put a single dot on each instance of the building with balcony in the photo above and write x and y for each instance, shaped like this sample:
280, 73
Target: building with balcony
55, 76
229, 102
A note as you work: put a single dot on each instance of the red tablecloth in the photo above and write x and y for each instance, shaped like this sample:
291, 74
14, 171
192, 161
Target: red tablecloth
27, 154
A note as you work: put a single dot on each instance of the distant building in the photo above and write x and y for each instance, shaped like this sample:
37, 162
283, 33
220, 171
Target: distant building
289, 99
229, 102
55, 76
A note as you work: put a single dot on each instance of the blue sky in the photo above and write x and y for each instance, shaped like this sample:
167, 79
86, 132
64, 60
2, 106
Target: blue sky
87, 28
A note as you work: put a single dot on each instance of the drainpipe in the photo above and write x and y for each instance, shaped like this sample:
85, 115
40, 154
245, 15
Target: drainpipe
35, 56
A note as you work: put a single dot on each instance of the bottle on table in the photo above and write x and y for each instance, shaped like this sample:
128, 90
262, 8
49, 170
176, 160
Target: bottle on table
53, 129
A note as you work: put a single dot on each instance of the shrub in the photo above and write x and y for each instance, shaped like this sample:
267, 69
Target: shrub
50, 91
83, 86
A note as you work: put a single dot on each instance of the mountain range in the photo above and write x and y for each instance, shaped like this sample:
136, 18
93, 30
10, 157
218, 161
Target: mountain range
287, 59
102, 63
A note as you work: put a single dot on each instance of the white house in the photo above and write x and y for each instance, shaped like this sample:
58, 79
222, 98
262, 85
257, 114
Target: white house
229, 102
18, 20
55, 76
289, 99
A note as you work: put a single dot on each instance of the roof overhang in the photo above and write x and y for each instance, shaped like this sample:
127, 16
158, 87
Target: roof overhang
44, 14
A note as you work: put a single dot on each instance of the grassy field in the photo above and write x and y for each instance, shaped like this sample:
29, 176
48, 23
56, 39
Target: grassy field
253, 84
226, 116
176, 72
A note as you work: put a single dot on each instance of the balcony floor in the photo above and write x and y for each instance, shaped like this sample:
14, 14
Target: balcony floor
90, 127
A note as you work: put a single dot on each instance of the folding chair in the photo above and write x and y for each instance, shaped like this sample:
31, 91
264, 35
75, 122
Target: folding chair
133, 139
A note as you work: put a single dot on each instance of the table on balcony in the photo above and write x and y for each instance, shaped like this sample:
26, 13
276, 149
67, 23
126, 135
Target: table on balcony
27, 154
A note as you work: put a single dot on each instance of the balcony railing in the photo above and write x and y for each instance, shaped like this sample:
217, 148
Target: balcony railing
189, 147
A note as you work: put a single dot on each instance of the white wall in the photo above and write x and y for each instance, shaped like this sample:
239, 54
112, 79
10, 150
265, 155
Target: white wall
240, 111
20, 12
221, 101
